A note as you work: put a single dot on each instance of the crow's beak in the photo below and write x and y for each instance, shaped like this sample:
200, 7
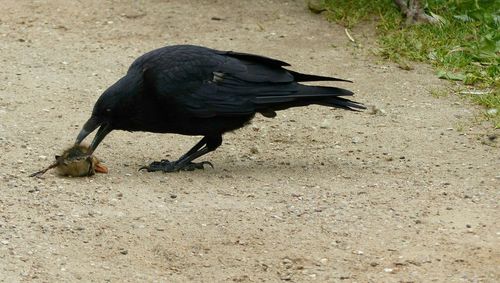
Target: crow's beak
89, 127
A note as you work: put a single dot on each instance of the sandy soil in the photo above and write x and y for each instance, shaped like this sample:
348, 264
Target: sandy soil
407, 195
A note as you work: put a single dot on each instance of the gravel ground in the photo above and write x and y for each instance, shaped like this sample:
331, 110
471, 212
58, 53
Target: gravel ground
405, 193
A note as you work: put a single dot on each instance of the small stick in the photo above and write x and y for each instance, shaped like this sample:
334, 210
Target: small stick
41, 172
348, 35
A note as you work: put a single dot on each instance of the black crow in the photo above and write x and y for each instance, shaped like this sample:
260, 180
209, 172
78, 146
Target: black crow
193, 90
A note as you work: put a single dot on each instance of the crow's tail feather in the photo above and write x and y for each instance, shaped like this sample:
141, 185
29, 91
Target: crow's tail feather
343, 103
306, 95
299, 77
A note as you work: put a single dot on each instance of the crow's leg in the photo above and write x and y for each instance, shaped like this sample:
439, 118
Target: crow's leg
204, 146
169, 166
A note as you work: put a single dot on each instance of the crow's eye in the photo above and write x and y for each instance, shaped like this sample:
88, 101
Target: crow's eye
108, 110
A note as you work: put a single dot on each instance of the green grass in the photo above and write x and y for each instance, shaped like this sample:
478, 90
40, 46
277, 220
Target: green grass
464, 46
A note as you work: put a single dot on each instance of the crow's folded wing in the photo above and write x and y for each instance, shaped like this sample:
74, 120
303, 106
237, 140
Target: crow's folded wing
208, 83
212, 84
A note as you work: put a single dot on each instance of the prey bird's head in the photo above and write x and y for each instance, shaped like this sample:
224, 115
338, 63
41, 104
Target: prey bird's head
109, 110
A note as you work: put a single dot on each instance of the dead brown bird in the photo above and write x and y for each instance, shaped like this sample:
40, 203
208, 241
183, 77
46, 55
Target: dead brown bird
76, 162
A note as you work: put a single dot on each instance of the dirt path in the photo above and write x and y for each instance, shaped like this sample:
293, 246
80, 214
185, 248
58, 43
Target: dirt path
409, 195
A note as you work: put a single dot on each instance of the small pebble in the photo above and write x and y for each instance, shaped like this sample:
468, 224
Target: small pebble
388, 270
326, 124
374, 110
286, 277
357, 140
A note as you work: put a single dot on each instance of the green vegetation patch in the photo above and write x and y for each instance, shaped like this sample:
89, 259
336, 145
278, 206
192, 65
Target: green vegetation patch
463, 46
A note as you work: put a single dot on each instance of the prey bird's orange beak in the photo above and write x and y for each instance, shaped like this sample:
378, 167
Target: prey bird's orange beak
100, 168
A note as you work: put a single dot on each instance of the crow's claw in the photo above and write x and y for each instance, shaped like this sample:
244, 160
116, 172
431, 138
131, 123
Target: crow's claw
163, 165
199, 165
171, 166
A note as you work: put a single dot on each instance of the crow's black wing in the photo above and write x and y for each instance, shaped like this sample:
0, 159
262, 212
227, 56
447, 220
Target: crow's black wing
208, 83
235, 87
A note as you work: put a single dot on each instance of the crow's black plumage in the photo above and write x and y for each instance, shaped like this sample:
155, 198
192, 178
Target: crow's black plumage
193, 90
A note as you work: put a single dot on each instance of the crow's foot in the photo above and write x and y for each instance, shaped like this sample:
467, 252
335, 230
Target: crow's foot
196, 165
173, 166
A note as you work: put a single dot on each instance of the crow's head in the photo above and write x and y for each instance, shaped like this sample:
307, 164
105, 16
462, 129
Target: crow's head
109, 112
